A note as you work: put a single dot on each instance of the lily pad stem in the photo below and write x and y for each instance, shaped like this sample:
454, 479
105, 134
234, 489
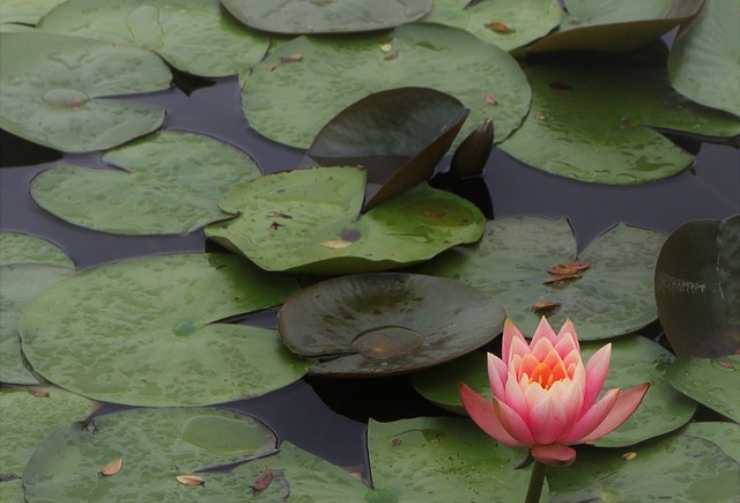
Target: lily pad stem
535, 483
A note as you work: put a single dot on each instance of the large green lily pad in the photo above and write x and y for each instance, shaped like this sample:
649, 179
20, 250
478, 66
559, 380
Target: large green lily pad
678, 468
726, 436
439, 460
296, 90
697, 288
25, 11
524, 20
195, 37
595, 121
29, 418
50, 85
20, 248
380, 324
296, 17
156, 446
144, 332
614, 297
169, 183
711, 382
616, 25
309, 221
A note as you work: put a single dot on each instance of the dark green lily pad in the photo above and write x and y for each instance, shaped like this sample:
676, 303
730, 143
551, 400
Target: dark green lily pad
678, 468
156, 446
169, 183
195, 37
711, 382
50, 85
309, 221
398, 135
612, 298
440, 460
595, 121
296, 17
697, 288
616, 25
441, 384
524, 20
295, 91
380, 324
25, 11
726, 436
144, 332
20, 248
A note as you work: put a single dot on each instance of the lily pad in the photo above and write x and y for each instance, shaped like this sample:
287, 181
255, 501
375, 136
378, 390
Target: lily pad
295, 91
595, 121
522, 20
615, 25
155, 446
296, 17
144, 332
714, 383
398, 135
613, 297
680, 468
439, 460
29, 418
703, 64
169, 183
381, 324
697, 288
50, 85
20, 248
309, 221
27, 12
726, 436
196, 37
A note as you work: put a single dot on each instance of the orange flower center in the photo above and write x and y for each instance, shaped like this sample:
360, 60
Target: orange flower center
546, 375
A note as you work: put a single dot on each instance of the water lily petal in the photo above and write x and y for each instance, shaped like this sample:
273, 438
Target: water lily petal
518, 347
541, 348
558, 455
544, 331
510, 334
623, 408
547, 420
568, 329
596, 370
591, 419
514, 397
513, 423
496, 375
482, 412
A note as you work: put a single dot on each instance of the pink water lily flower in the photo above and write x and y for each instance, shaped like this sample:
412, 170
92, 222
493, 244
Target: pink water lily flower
545, 398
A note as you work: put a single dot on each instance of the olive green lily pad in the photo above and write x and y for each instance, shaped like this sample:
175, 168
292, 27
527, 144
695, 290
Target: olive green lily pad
309, 221
381, 324
291, 95
196, 37
612, 298
697, 288
703, 64
726, 436
595, 121
156, 446
615, 25
28, 418
14, 28
296, 17
20, 248
523, 20
169, 183
144, 332
50, 85
439, 460
678, 468
27, 12
714, 383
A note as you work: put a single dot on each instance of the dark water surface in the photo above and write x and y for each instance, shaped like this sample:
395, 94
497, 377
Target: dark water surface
324, 416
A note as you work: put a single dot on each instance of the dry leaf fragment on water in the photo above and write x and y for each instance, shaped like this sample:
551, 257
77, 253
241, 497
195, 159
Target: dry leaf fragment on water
190, 480
490, 99
40, 392
112, 468
499, 27
292, 58
336, 244
569, 268
263, 481
561, 278
545, 305
396, 442
629, 456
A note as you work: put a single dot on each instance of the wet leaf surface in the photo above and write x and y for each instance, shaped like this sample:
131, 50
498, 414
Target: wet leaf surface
27, 12
726, 436
714, 383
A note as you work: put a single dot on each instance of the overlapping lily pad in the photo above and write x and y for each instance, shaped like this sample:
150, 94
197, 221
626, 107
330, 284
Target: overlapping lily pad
50, 85
155, 446
615, 25
595, 121
169, 183
195, 37
697, 288
307, 81
714, 383
679, 467
27, 12
379, 324
613, 297
438, 460
726, 436
309, 221
297, 17
519, 21
20, 248
144, 332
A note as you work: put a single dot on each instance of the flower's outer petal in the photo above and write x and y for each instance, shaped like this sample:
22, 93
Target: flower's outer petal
513, 423
547, 421
557, 455
572, 398
497, 375
569, 329
596, 370
482, 412
510, 334
623, 408
520, 348
514, 397
591, 419
544, 331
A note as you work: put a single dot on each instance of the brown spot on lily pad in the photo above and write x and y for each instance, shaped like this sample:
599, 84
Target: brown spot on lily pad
434, 215
112, 468
499, 27
336, 244
391, 55
190, 480
396, 442
40, 392
490, 99
629, 456
263, 481
569, 268
296, 57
